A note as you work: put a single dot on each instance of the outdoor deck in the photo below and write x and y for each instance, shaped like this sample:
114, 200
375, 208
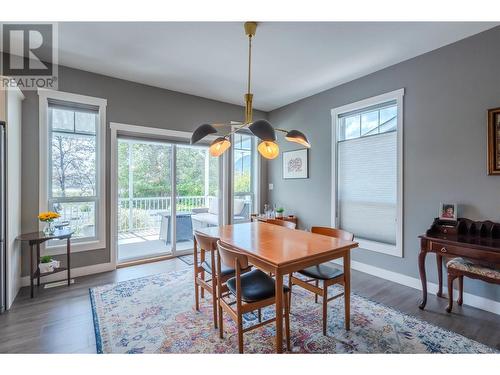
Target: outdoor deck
144, 244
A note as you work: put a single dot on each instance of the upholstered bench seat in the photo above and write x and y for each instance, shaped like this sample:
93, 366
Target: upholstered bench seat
462, 264
460, 267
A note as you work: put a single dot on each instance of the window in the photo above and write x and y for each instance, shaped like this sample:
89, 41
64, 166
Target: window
367, 171
72, 165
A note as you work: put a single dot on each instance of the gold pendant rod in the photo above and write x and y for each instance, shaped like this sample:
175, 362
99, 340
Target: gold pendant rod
250, 29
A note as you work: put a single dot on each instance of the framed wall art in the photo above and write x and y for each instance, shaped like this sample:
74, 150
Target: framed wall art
494, 141
296, 164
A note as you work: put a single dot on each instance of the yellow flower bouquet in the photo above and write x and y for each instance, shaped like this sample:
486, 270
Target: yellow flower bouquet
48, 216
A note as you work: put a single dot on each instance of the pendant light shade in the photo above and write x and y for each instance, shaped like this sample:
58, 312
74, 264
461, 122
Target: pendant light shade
218, 146
297, 137
263, 130
269, 149
201, 132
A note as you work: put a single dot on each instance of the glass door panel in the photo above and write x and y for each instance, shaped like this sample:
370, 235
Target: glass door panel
243, 177
197, 190
144, 199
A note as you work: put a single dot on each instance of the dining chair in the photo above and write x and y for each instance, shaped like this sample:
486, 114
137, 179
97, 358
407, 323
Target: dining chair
248, 291
283, 223
207, 245
328, 273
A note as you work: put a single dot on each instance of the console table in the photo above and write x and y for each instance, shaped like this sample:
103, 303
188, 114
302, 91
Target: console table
475, 240
291, 218
34, 239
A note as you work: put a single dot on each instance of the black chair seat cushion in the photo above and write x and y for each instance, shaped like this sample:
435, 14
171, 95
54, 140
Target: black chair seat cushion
323, 271
255, 286
225, 270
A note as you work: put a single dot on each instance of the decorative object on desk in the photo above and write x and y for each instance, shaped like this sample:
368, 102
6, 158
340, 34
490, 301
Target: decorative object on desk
279, 212
494, 141
448, 211
48, 217
262, 129
295, 164
47, 264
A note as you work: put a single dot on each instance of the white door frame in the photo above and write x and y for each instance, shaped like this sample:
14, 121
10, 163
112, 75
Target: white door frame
138, 131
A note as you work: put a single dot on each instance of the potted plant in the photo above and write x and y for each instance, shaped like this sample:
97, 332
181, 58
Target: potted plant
47, 264
48, 217
279, 212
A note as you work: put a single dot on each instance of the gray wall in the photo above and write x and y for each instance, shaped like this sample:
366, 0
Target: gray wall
129, 103
448, 92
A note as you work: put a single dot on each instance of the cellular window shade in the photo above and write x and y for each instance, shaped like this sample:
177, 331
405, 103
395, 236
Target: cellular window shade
76, 107
367, 187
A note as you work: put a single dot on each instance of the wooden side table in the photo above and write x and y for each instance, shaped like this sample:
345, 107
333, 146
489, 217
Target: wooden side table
37, 238
291, 218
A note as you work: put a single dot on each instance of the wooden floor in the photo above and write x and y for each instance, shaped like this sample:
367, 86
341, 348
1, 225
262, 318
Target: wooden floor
59, 320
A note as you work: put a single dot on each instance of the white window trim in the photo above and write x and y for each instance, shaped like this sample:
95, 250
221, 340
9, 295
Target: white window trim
43, 102
397, 95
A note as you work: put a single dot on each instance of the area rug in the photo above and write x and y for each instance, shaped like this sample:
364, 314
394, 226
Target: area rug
155, 314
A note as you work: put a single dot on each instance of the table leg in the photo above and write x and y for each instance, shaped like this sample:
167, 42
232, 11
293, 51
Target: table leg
32, 272
68, 258
347, 289
195, 265
279, 311
423, 278
439, 260
38, 263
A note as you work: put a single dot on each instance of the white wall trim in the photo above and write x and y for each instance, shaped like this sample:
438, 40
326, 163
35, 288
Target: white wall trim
145, 130
75, 272
335, 112
43, 96
415, 283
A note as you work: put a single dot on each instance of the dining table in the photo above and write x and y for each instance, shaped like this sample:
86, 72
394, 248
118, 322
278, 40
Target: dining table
281, 251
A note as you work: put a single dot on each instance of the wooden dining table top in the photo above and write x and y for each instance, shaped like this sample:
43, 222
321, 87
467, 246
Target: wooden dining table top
277, 245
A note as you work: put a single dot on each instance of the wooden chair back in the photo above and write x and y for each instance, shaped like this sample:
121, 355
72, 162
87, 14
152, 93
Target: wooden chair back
283, 223
333, 232
205, 242
231, 257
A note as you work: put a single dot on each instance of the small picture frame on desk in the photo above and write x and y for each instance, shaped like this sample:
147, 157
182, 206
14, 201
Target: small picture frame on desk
448, 212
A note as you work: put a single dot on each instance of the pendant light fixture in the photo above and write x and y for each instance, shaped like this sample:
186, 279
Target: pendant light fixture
262, 129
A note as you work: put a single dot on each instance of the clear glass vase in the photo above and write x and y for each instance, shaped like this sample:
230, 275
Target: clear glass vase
49, 228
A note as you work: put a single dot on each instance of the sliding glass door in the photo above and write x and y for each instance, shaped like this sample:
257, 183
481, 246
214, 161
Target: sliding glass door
165, 190
144, 199
196, 191
244, 177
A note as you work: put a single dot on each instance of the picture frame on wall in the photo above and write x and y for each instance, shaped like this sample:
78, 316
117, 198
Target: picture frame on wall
494, 141
296, 164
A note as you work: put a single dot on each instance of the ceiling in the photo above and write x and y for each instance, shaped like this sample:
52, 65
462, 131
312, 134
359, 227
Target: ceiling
291, 60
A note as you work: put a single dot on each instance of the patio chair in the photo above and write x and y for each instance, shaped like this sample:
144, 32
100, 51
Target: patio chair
209, 217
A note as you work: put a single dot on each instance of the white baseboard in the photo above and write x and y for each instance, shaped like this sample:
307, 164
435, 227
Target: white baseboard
469, 299
75, 272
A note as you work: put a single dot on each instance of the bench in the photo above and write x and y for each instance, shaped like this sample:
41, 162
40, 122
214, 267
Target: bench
460, 267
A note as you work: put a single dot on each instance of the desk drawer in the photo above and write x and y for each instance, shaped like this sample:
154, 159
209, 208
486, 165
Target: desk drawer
449, 249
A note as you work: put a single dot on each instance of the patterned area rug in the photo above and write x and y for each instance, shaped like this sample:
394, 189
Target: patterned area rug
155, 314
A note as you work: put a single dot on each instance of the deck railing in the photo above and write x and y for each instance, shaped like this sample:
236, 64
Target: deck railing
143, 213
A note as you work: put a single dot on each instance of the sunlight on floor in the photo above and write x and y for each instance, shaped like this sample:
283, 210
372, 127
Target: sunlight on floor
145, 244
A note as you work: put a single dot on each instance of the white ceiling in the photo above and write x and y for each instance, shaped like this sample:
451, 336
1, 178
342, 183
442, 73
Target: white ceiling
291, 60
